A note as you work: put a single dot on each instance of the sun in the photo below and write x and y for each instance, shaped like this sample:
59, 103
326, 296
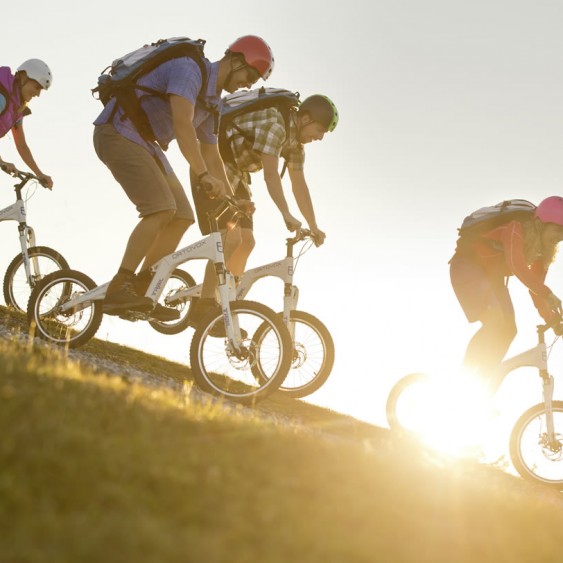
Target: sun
449, 413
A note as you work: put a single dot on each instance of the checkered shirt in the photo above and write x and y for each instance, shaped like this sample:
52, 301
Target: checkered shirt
268, 129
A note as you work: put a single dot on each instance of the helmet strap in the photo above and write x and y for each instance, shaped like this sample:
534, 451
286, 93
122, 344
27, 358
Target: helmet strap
233, 58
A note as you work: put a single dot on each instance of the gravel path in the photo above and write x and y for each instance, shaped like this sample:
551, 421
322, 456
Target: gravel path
102, 365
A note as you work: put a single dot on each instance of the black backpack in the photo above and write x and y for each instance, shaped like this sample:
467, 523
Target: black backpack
247, 101
119, 80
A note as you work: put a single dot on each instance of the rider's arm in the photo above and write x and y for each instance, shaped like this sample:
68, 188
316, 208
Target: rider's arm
545, 308
302, 196
304, 202
511, 236
25, 153
215, 164
2, 107
273, 181
182, 121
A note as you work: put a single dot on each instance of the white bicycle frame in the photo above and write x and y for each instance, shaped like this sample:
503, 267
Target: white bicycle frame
17, 212
209, 248
534, 357
282, 269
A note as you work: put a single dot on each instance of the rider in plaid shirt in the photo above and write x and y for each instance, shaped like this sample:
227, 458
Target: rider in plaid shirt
268, 129
257, 141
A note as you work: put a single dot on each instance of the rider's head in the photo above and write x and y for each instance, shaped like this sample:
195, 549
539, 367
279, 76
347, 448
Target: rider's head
250, 58
549, 218
34, 76
317, 115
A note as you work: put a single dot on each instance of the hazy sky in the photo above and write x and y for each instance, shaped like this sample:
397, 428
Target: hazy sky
445, 106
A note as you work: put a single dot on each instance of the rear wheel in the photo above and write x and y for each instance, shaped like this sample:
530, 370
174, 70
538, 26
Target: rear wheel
178, 281
47, 319
409, 401
222, 370
42, 261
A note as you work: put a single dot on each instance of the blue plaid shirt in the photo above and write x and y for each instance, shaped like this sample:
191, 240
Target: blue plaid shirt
181, 77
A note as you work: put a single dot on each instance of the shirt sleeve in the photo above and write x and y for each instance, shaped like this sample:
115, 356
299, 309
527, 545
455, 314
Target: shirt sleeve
184, 79
533, 276
295, 157
512, 239
540, 302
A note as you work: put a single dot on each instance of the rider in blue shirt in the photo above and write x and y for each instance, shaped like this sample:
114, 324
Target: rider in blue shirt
184, 113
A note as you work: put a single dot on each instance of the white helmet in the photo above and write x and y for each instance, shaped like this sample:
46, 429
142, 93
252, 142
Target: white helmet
37, 70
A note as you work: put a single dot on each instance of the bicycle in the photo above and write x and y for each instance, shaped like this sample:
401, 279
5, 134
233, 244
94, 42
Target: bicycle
34, 262
313, 346
66, 308
536, 439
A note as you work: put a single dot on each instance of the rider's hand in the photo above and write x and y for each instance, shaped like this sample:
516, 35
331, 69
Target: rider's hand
45, 180
213, 187
291, 222
554, 303
318, 236
8, 167
557, 327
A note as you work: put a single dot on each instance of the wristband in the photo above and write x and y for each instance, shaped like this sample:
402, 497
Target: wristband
201, 176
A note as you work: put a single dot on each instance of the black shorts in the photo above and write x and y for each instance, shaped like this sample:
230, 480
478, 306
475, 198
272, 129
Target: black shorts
204, 206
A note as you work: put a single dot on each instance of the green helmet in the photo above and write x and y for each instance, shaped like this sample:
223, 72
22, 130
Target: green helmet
322, 110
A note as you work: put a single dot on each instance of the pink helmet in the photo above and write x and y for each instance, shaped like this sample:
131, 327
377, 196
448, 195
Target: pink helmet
256, 53
550, 210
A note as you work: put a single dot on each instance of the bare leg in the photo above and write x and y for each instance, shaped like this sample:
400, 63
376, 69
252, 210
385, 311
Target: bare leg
237, 262
166, 242
490, 344
143, 237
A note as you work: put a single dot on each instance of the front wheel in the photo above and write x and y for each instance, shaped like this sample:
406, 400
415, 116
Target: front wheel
535, 455
47, 320
312, 355
227, 371
42, 261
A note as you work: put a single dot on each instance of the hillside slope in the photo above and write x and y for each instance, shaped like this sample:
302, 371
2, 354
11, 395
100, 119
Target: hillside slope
109, 454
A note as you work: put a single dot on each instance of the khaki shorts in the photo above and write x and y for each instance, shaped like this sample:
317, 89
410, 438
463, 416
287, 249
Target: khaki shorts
140, 176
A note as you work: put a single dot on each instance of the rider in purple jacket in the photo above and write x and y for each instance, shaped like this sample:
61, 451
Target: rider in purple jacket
16, 90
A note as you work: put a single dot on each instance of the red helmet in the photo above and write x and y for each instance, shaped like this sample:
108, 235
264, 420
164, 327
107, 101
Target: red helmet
550, 210
256, 53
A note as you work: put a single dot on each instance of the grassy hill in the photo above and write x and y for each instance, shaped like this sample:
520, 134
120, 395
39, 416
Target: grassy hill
131, 465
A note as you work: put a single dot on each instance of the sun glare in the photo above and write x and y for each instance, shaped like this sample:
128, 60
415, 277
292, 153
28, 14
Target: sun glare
451, 414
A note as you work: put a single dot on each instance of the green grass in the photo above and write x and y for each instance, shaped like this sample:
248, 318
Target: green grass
94, 468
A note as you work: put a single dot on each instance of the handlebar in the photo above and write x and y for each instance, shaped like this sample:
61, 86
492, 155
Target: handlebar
24, 177
302, 234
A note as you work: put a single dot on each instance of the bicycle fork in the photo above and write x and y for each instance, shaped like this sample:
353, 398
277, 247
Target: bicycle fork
290, 298
547, 391
27, 240
227, 291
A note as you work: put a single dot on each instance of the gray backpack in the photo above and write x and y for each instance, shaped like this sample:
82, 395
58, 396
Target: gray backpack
487, 218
